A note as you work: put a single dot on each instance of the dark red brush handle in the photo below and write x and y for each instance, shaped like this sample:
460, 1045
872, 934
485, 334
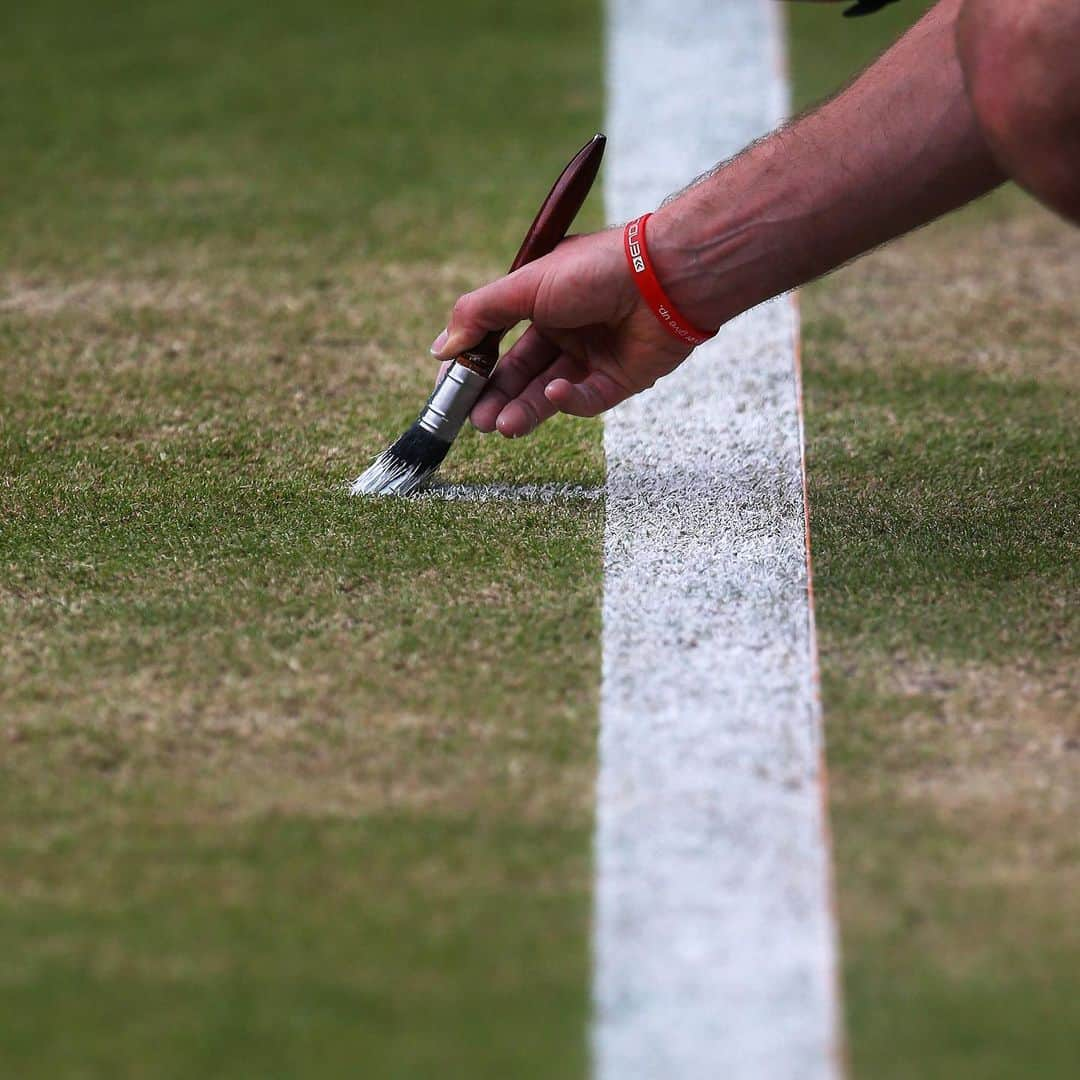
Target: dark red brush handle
551, 224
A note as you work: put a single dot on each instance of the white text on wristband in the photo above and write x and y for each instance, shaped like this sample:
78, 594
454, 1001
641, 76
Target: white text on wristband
650, 289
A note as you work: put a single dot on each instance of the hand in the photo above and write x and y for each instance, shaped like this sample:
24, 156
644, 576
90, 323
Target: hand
591, 345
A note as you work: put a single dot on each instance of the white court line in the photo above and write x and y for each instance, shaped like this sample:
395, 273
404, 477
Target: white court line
715, 952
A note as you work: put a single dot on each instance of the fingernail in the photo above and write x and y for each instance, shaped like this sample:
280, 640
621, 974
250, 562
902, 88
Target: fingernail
439, 342
517, 418
502, 422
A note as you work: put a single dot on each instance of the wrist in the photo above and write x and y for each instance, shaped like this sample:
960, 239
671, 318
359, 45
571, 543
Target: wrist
687, 263
652, 291
725, 244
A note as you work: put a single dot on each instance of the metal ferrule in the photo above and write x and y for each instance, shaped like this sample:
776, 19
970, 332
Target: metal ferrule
449, 407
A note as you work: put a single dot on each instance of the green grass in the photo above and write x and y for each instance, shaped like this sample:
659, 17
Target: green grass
290, 946
314, 132
245, 829
291, 784
945, 509
942, 428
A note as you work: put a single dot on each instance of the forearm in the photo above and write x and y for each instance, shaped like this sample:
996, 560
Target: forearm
899, 147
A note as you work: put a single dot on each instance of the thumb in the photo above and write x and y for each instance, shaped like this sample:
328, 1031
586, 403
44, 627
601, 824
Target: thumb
497, 306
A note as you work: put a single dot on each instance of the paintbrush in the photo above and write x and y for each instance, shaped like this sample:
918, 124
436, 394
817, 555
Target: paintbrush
420, 451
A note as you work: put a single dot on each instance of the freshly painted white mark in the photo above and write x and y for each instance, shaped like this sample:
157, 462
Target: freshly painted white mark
524, 493
715, 951
544, 493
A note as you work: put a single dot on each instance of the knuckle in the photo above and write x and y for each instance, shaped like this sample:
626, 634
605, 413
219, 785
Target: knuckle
533, 419
464, 309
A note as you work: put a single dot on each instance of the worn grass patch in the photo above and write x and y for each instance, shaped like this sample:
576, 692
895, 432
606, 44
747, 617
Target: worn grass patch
941, 377
291, 783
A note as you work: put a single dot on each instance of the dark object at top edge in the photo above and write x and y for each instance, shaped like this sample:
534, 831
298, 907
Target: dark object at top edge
865, 7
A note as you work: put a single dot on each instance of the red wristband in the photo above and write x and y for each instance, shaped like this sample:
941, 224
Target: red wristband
652, 292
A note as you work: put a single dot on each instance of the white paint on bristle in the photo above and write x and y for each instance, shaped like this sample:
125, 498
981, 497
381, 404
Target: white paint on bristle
385, 469
715, 948
389, 475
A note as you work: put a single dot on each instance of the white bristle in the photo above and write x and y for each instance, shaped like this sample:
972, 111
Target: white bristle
388, 475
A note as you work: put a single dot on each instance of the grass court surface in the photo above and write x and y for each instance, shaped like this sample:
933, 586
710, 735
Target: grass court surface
245, 828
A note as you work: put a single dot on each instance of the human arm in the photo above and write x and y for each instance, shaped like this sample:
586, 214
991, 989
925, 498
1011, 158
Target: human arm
896, 148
